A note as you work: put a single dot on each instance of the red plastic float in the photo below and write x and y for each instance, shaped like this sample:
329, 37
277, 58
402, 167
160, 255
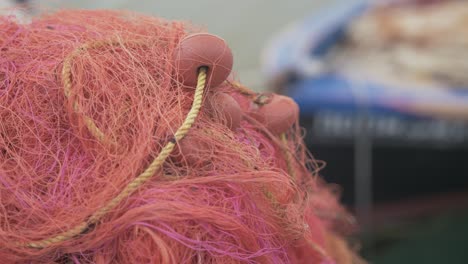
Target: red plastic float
278, 114
203, 50
228, 107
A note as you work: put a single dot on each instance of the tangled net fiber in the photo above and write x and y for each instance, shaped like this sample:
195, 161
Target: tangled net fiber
245, 196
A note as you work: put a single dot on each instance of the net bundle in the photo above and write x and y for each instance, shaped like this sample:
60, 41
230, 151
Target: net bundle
88, 102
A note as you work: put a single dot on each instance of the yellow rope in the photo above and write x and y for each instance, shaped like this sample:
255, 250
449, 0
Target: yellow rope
67, 85
241, 88
287, 156
140, 179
